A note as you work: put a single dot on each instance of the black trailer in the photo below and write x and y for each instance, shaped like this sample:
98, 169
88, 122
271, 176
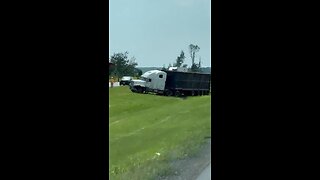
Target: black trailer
187, 83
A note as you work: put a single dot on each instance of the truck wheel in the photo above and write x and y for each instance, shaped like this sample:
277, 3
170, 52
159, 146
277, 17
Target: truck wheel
139, 89
195, 93
177, 93
144, 91
192, 93
168, 93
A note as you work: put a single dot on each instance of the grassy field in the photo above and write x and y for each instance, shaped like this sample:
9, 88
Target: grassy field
148, 131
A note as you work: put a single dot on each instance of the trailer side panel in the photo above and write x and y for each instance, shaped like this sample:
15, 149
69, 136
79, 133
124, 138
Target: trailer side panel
187, 81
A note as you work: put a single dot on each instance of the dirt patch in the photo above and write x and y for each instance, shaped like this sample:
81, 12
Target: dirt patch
191, 167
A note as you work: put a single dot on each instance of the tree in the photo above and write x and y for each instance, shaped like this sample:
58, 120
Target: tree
122, 65
138, 72
199, 66
111, 69
193, 49
130, 68
163, 68
179, 60
195, 68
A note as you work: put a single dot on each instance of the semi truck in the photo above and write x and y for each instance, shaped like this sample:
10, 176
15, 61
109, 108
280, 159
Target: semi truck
172, 83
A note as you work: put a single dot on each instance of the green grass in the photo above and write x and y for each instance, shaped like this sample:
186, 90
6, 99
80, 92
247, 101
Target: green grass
142, 125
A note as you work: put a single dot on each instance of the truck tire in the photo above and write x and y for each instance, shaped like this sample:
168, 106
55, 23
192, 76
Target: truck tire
177, 94
139, 89
168, 92
195, 93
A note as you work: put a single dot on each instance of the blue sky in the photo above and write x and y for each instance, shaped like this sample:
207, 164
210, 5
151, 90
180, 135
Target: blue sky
155, 31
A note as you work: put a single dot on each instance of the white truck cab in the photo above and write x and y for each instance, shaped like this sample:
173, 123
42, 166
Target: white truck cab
151, 81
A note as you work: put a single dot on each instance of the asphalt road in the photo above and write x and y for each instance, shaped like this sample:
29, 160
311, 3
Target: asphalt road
206, 173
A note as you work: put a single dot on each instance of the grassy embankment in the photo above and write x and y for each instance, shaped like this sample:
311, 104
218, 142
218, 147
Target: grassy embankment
143, 125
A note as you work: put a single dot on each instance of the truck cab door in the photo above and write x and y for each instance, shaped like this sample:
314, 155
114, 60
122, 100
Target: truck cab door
161, 78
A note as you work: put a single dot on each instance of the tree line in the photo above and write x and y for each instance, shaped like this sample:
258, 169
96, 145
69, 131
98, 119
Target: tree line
195, 67
125, 66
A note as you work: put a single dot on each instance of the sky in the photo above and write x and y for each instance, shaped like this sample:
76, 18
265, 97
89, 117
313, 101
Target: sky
155, 31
